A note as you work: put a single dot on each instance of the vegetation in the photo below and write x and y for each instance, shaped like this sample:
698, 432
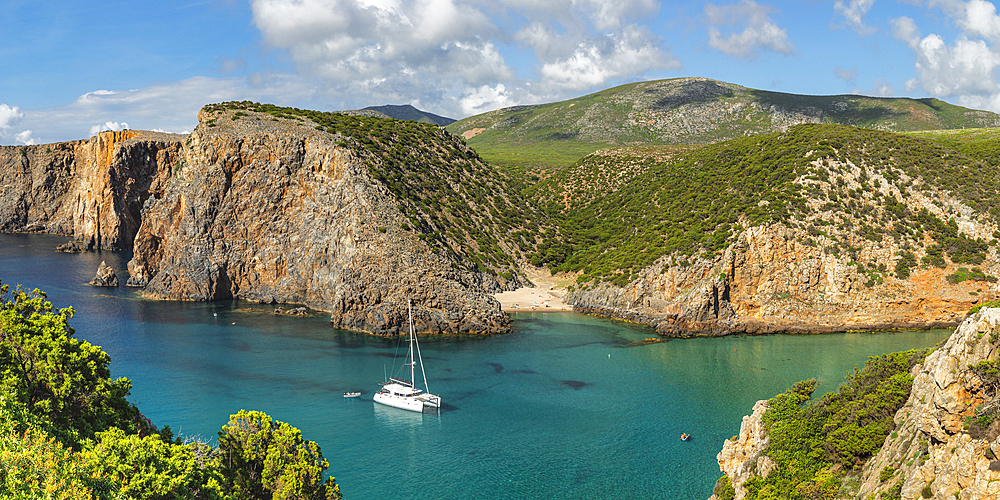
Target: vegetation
456, 203
685, 111
816, 443
67, 431
619, 212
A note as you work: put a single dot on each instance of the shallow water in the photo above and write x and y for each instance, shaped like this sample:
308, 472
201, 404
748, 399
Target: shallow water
566, 406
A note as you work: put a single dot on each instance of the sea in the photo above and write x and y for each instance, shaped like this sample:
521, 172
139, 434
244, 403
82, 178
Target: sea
567, 406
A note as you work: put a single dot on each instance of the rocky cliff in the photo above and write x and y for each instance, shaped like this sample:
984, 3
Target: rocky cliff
278, 210
90, 190
944, 444
877, 234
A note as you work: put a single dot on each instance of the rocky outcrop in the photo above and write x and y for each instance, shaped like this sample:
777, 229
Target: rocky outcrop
941, 446
946, 440
833, 267
742, 456
91, 190
105, 276
275, 211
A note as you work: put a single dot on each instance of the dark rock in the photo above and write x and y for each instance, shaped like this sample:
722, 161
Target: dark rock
70, 247
105, 276
297, 311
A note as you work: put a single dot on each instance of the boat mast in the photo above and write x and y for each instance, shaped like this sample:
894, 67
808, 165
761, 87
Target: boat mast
413, 362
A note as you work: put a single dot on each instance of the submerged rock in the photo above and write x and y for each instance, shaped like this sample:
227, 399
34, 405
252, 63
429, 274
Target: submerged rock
105, 276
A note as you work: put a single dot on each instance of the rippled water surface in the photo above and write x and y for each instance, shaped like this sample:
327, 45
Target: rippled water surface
566, 406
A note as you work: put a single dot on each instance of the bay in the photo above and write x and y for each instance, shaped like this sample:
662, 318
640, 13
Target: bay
566, 406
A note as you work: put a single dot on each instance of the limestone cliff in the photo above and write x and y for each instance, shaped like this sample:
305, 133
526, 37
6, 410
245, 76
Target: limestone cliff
90, 190
945, 442
274, 210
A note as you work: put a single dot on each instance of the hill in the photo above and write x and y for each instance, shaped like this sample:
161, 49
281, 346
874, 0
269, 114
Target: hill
686, 111
407, 112
816, 228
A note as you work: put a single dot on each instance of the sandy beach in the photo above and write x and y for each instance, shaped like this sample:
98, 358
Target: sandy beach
545, 296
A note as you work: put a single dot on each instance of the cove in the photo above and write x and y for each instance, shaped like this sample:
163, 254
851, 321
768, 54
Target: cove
566, 406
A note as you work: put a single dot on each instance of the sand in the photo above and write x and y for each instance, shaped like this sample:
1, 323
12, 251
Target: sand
545, 296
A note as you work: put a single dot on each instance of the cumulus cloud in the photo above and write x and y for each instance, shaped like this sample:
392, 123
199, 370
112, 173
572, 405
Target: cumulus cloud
964, 69
854, 12
25, 138
108, 126
444, 53
9, 116
758, 33
599, 60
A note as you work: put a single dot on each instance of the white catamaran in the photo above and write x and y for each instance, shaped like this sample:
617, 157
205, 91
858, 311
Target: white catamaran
403, 393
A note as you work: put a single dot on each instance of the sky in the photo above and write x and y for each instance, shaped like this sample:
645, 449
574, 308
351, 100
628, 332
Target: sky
71, 69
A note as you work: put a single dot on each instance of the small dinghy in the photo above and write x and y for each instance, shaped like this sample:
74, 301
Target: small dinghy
684, 437
351, 394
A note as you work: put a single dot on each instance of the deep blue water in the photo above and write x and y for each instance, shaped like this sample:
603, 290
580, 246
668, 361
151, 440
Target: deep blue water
563, 407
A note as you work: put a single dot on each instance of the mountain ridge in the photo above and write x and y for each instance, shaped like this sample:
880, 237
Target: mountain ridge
685, 111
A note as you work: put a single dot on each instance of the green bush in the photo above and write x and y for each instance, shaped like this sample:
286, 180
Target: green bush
810, 439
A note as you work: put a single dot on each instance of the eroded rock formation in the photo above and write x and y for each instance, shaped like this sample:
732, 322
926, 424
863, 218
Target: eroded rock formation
772, 281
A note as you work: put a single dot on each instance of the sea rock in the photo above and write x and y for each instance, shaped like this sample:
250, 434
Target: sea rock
70, 247
105, 276
741, 456
292, 311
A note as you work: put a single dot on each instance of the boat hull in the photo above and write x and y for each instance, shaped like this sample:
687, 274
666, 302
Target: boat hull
403, 403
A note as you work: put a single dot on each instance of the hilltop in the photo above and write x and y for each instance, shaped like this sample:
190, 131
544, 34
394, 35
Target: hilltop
686, 111
407, 112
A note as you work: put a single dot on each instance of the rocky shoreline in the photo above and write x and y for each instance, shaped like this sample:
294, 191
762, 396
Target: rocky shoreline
946, 437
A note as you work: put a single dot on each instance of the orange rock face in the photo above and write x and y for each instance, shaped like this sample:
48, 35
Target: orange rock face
91, 190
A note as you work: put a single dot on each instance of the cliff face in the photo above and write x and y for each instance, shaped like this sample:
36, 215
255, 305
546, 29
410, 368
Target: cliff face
771, 281
90, 190
869, 242
946, 440
275, 211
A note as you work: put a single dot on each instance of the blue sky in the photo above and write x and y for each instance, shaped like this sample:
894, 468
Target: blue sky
71, 69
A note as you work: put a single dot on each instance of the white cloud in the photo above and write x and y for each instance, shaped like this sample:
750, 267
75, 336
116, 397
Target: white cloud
613, 56
443, 52
880, 88
25, 138
107, 126
485, 98
759, 31
848, 75
9, 116
854, 12
965, 70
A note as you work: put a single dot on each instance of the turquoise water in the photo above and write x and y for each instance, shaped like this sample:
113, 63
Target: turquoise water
563, 407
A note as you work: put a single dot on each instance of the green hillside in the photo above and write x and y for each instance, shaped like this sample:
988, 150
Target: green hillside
686, 111
620, 211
